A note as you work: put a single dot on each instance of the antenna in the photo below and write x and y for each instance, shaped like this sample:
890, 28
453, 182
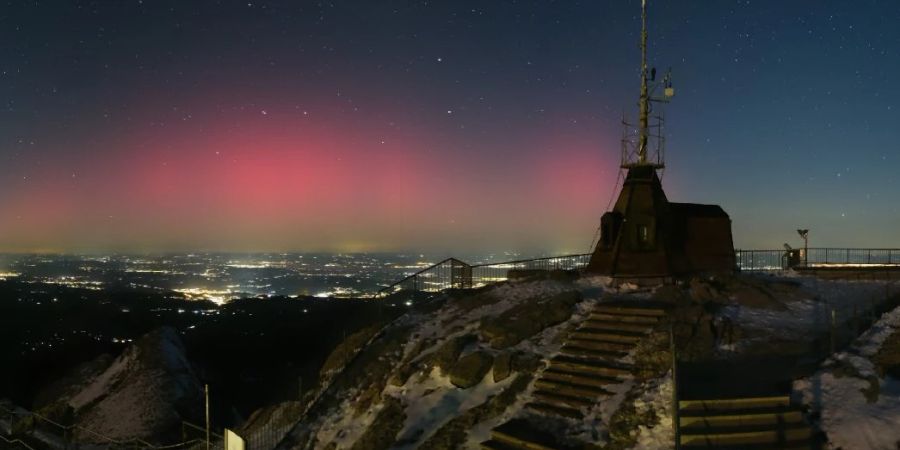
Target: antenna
642, 145
645, 96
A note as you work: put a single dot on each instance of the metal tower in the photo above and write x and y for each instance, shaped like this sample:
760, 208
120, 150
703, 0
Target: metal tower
643, 145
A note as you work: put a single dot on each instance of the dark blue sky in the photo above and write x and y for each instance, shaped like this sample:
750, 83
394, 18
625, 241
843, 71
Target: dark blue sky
438, 125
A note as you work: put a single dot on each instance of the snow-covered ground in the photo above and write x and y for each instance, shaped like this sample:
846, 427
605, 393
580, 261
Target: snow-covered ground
657, 395
850, 419
433, 401
808, 310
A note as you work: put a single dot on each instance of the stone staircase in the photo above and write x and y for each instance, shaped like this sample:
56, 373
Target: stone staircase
590, 360
744, 423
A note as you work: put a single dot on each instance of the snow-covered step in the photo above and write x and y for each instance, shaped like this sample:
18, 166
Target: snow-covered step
605, 325
570, 388
605, 336
519, 434
558, 374
563, 400
546, 408
734, 404
629, 310
588, 367
649, 320
702, 422
601, 345
743, 423
623, 367
773, 437
577, 351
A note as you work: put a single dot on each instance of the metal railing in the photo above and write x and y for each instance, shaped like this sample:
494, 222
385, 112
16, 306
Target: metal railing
265, 437
763, 260
484, 274
760, 260
447, 274
28, 424
853, 256
453, 273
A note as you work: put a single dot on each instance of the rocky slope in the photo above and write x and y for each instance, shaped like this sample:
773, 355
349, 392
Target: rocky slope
456, 367
142, 394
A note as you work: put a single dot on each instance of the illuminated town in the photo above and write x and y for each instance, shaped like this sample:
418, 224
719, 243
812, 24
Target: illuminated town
223, 277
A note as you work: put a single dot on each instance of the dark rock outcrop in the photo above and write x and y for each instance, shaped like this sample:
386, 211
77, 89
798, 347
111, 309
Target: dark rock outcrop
527, 319
471, 369
502, 366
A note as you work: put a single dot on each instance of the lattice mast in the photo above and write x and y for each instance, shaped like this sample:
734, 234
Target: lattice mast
644, 103
647, 148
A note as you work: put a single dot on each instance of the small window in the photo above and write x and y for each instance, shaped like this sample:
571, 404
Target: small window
643, 234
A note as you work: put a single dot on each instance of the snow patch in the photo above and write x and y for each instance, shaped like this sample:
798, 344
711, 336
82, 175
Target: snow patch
435, 401
657, 396
849, 419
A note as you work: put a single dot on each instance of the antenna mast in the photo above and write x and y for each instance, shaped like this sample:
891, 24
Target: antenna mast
645, 96
643, 143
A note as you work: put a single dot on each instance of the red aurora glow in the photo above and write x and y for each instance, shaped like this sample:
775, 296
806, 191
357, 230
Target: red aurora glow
283, 180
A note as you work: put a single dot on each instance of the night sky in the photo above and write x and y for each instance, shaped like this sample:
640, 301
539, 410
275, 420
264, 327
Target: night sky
443, 126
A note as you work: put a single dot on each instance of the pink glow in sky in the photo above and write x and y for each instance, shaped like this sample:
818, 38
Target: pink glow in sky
281, 178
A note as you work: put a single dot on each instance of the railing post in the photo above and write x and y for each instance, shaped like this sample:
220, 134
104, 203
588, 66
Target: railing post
833, 330
675, 406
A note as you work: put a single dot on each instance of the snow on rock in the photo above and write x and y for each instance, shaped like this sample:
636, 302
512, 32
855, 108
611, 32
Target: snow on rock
808, 309
141, 394
434, 402
656, 396
427, 399
857, 408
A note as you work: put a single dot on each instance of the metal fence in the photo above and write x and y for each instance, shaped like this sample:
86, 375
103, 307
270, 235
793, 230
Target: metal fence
453, 273
761, 260
853, 256
449, 273
25, 428
265, 437
484, 274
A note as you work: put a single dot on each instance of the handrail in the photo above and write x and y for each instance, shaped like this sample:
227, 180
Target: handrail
763, 260
470, 267
745, 259
414, 275
16, 441
109, 440
520, 261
